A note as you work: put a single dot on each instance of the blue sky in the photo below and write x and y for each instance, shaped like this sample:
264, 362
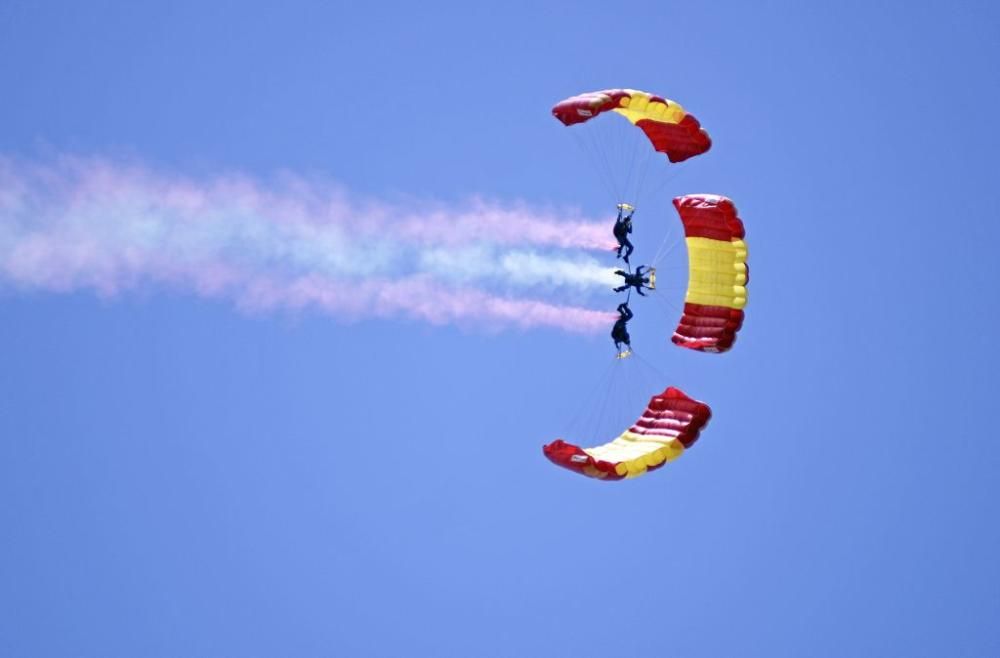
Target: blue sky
183, 477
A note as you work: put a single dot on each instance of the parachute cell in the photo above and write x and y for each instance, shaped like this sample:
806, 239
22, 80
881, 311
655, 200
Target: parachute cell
671, 130
670, 424
717, 273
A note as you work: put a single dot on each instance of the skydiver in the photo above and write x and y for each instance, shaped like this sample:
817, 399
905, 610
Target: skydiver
634, 279
623, 226
619, 332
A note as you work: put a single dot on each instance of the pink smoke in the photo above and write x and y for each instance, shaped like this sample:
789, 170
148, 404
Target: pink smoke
293, 199
89, 223
421, 299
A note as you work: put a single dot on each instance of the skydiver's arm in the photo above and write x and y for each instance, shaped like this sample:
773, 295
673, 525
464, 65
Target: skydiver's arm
638, 289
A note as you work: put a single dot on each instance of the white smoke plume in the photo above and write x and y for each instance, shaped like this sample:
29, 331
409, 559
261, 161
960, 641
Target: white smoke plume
76, 223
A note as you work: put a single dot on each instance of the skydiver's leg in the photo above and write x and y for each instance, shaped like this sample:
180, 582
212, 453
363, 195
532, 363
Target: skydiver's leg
628, 248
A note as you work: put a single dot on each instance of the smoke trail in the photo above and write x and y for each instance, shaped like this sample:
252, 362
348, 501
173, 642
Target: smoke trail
290, 243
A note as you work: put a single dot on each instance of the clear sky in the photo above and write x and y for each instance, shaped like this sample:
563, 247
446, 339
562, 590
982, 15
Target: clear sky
185, 473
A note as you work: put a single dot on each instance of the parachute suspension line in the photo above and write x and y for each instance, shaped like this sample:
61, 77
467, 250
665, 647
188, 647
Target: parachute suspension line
668, 235
651, 367
667, 316
626, 401
673, 245
640, 384
620, 139
675, 240
595, 162
642, 162
630, 145
609, 138
621, 155
664, 250
644, 169
616, 401
587, 143
580, 422
627, 152
631, 158
601, 425
599, 422
675, 171
663, 300
614, 411
600, 148
648, 384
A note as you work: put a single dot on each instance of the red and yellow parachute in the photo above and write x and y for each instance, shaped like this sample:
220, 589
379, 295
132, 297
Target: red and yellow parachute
670, 425
671, 130
717, 273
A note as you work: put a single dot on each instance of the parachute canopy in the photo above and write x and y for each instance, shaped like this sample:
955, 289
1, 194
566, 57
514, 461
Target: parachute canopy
669, 425
671, 130
717, 273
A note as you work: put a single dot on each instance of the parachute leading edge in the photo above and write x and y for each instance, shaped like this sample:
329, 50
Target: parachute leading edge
670, 424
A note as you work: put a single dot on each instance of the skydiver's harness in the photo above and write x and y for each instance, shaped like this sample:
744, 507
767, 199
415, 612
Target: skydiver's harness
619, 332
622, 227
634, 279
624, 315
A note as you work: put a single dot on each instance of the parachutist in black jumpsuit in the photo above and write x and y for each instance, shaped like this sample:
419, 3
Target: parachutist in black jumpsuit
635, 279
619, 333
623, 226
